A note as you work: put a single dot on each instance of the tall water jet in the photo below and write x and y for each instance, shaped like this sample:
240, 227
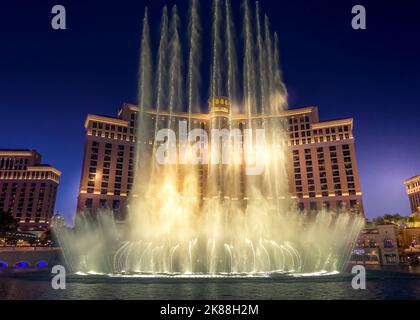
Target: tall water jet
175, 69
231, 60
145, 98
262, 67
216, 79
249, 64
194, 58
162, 64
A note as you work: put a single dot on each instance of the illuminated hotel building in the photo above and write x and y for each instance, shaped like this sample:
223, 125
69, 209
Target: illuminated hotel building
28, 188
413, 191
323, 170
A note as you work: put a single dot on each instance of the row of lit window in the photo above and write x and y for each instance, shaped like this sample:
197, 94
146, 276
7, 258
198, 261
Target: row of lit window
339, 205
13, 163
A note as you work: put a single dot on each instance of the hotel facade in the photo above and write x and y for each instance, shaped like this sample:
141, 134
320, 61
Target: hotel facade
28, 188
323, 169
413, 191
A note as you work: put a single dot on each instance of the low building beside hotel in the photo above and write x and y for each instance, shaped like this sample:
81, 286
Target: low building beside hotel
28, 188
377, 246
323, 171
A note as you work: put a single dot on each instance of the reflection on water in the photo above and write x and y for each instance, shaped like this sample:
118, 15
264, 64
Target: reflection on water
380, 285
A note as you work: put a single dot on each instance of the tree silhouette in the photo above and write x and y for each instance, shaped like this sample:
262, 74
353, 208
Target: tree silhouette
7, 222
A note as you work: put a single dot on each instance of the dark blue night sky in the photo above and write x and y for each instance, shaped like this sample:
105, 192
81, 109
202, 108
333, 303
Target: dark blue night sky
50, 80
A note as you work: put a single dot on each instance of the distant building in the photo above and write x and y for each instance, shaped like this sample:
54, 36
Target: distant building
413, 191
377, 246
28, 188
323, 171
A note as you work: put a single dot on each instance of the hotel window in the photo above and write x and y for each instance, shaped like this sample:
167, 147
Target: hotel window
103, 203
89, 203
337, 186
301, 206
389, 243
108, 146
323, 181
350, 179
312, 205
90, 190
353, 204
116, 204
339, 205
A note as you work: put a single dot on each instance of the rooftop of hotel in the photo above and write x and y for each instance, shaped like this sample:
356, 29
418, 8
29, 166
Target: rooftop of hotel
239, 116
413, 179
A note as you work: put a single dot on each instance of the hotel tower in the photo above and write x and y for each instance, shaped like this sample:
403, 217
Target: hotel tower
28, 188
322, 168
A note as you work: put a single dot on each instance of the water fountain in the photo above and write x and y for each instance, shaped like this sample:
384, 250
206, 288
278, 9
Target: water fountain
212, 219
